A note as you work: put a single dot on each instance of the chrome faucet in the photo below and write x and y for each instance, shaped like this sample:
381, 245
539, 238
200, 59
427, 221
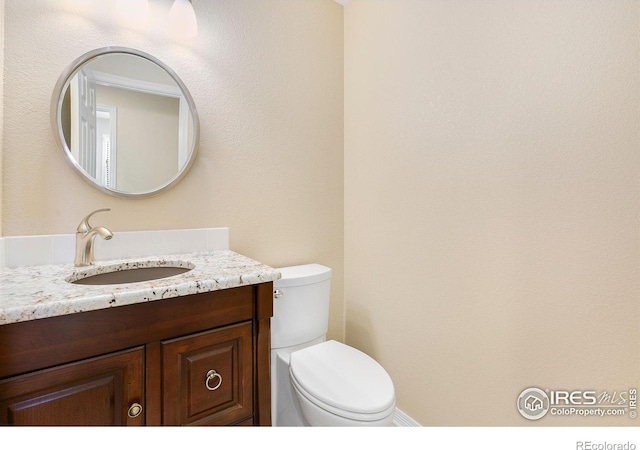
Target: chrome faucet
84, 239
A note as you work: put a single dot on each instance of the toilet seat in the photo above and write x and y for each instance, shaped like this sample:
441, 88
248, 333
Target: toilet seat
343, 381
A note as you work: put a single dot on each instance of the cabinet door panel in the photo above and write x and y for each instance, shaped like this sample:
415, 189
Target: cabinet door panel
96, 391
207, 377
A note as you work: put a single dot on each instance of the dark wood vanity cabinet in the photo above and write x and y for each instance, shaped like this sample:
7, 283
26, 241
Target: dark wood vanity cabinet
207, 377
97, 391
201, 359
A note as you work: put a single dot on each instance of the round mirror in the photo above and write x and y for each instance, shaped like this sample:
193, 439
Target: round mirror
125, 121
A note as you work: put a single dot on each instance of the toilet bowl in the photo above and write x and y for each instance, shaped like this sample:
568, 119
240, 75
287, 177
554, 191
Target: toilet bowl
317, 382
338, 385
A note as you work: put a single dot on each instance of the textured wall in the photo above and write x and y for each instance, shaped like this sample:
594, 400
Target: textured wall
1, 106
492, 199
267, 80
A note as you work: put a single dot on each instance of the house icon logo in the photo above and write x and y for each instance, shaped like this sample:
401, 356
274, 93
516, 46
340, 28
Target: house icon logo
533, 403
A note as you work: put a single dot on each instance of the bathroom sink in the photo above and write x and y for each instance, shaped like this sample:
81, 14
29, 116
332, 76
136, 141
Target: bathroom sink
130, 273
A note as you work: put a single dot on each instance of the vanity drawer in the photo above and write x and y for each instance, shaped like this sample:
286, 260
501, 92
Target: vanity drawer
207, 378
37, 344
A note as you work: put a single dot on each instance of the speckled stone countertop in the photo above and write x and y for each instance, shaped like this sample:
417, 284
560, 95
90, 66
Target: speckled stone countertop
37, 292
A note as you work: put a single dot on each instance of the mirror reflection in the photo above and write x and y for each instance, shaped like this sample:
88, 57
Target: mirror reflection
126, 122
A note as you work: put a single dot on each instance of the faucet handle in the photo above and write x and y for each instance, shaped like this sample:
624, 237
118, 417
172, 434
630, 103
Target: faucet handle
84, 226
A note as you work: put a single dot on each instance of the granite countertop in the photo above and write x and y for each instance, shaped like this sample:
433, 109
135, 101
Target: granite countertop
37, 292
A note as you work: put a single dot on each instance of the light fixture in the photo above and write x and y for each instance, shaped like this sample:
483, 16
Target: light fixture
182, 19
134, 12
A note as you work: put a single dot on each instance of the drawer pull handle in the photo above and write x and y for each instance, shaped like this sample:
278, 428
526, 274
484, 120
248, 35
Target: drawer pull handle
212, 374
134, 410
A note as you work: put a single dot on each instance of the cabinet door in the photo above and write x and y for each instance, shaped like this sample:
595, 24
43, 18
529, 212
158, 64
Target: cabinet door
97, 391
207, 377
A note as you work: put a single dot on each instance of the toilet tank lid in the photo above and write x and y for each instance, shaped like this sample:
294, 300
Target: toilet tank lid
302, 275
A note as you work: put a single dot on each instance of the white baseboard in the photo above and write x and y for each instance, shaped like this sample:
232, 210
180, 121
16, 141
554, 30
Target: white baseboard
400, 419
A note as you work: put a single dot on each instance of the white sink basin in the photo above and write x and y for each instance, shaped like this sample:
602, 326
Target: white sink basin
130, 272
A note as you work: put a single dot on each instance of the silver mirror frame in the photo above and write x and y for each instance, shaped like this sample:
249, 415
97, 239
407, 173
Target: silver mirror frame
56, 125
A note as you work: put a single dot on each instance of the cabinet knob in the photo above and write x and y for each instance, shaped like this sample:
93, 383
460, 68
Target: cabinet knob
211, 375
134, 410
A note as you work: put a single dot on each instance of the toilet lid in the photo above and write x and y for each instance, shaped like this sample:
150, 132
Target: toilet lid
343, 377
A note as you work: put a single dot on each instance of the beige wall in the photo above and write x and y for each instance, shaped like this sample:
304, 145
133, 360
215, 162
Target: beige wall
1, 106
267, 80
492, 200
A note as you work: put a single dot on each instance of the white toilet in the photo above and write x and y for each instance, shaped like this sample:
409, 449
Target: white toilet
315, 382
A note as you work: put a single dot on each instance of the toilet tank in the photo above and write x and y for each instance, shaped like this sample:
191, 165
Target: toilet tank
300, 305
